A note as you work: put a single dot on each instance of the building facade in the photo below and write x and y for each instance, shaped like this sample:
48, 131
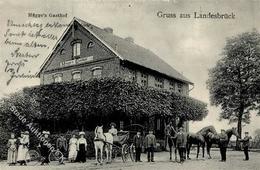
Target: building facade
86, 51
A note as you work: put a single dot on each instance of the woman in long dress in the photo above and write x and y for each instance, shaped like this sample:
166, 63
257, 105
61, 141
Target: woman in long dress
23, 148
12, 150
72, 148
82, 148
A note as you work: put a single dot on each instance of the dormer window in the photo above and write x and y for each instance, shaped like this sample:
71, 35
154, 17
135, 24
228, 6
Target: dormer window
76, 48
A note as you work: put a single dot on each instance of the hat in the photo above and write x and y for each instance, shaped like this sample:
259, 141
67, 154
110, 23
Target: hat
26, 132
112, 124
82, 133
181, 128
46, 132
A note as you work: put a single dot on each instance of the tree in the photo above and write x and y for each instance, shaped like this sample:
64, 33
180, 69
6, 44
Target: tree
234, 82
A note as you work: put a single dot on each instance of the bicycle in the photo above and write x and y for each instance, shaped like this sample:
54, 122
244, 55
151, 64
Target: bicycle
34, 157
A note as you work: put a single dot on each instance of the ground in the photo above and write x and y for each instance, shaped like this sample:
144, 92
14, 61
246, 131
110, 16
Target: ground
234, 162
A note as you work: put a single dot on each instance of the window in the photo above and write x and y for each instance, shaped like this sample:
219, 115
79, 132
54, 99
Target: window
144, 79
159, 82
172, 86
90, 44
76, 75
180, 87
97, 72
132, 75
121, 125
57, 78
76, 49
158, 124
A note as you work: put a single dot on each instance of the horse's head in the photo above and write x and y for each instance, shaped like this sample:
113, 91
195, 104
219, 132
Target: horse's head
211, 135
208, 129
232, 131
99, 131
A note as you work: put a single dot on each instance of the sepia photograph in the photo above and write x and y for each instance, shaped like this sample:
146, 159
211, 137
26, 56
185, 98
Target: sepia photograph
130, 84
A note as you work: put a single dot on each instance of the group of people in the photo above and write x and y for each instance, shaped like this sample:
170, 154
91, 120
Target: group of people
77, 147
17, 148
181, 142
223, 143
149, 144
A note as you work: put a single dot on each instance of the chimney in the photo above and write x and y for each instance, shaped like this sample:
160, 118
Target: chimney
108, 30
129, 39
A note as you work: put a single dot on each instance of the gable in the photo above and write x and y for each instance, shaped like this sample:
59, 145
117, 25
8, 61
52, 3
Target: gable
64, 51
109, 45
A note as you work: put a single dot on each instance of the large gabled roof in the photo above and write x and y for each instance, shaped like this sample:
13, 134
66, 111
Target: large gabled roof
129, 51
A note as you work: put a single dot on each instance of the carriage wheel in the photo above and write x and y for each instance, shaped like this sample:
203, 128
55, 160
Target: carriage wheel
56, 157
125, 152
32, 158
132, 152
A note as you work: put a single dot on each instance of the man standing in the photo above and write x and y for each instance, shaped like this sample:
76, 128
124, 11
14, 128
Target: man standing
170, 134
150, 143
223, 142
44, 147
138, 143
61, 144
181, 143
246, 145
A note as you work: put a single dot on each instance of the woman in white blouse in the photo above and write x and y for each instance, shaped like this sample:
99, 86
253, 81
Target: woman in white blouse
81, 148
72, 148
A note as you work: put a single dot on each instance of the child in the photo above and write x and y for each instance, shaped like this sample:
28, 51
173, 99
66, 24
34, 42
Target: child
12, 150
150, 143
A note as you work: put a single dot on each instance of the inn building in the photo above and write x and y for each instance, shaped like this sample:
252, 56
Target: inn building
86, 51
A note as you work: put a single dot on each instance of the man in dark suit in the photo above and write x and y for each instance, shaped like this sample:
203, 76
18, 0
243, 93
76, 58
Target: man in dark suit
246, 145
138, 143
223, 142
181, 143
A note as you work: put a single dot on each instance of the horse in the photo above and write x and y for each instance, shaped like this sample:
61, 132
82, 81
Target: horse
199, 139
102, 140
171, 139
214, 138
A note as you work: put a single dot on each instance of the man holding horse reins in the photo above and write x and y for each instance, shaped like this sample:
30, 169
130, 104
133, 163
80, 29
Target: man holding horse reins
223, 142
169, 130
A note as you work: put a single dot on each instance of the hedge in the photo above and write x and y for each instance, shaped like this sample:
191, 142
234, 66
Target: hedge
71, 103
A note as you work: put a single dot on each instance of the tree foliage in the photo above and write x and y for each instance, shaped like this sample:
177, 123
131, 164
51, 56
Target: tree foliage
234, 81
76, 101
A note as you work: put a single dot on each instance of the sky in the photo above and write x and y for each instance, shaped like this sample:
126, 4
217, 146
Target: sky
192, 46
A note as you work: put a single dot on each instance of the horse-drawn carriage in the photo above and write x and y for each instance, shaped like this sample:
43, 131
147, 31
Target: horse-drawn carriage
121, 144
